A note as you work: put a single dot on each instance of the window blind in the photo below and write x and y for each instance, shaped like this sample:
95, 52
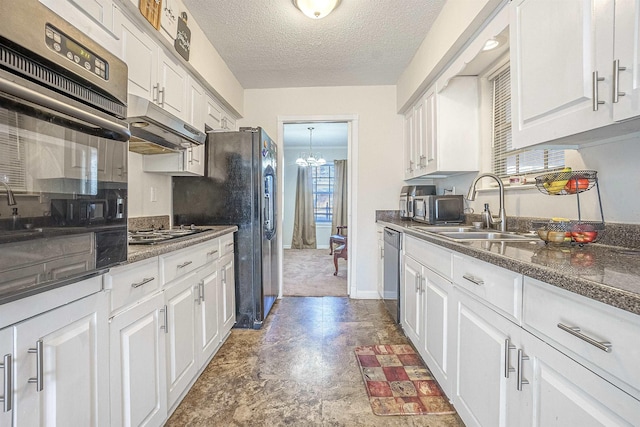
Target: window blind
12, 161
508, 161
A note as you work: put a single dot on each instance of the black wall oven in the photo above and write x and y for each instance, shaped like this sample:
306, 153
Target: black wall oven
63, 153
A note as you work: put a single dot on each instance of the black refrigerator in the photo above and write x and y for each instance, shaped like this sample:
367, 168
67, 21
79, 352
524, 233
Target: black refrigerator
239, 188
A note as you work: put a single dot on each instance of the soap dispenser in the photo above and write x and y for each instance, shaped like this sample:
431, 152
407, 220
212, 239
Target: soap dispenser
16, 219
486, 216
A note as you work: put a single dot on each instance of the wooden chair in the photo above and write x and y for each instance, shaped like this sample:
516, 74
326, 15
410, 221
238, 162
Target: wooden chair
337, 239
341, 251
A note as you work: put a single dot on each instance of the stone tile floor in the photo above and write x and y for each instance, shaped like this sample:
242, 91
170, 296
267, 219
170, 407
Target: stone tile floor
298, 370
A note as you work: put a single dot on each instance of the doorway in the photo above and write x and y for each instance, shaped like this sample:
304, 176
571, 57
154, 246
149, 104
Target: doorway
309, 272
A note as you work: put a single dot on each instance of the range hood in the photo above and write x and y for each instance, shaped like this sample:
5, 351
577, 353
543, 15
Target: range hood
155, 131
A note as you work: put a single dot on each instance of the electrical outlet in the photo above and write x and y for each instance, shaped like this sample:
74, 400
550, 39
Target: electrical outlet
153, 197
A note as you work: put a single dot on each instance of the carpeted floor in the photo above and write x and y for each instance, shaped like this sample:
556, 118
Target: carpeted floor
309, 272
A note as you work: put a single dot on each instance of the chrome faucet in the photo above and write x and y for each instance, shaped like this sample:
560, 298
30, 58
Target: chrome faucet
502, 214
11, 200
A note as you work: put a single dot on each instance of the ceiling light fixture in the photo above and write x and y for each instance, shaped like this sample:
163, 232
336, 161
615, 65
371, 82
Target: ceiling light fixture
310, 160
316, 9
492, 43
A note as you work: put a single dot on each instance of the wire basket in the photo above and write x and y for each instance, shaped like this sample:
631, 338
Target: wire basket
568, 232
562, 183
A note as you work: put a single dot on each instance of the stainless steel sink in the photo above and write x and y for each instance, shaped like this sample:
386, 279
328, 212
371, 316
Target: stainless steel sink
488, 235
441, 228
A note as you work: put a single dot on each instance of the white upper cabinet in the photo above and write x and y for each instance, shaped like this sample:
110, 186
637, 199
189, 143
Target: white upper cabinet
140, 53
562, 63
442, 133
172, 82
197, 101
626, 51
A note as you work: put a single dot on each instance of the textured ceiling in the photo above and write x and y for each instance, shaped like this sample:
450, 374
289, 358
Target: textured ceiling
270, 43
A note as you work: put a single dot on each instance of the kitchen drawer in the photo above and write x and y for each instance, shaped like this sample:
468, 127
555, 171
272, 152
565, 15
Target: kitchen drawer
132, 282
546, 307
497, 287
176, 264
211, 249
226, 244
434, 257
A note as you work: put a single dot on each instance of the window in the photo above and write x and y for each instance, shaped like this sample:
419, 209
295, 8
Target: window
322, 181
508, 161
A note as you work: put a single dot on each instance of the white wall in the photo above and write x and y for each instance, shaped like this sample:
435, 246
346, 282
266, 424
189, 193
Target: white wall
454, 27
379, 153
141, 185
618, 177
290, 173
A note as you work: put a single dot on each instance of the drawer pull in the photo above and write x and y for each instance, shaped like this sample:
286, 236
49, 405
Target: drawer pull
143, 282
575, 331
473, 279
212, 252
184, 264
229, 244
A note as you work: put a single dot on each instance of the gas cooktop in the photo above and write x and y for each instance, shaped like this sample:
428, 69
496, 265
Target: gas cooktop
151, 237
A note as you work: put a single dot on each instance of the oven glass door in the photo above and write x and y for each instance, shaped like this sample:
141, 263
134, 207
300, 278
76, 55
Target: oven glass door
63, 184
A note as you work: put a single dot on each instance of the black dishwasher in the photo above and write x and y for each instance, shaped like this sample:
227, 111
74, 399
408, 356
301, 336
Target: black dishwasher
391, 284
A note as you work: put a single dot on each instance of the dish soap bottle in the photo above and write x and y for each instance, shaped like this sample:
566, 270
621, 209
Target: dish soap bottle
16, 219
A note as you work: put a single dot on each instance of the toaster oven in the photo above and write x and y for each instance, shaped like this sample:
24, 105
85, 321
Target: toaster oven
439, 209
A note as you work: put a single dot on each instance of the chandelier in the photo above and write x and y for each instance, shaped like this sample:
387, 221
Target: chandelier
310, 159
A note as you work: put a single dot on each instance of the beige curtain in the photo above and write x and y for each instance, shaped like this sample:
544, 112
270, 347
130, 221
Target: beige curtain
339, 196
304, 223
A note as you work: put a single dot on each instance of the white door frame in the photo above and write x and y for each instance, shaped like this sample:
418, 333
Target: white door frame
352, 186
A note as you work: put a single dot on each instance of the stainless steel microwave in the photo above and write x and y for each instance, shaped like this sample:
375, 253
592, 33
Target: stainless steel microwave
439, 209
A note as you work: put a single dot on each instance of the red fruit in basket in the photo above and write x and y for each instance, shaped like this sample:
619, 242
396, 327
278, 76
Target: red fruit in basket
584, 233
576, 184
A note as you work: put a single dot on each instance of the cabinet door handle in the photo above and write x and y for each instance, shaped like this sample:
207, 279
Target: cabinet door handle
143, 282
165, 318
161, 96
616, 80
423, 283
156, 87
595, 80
201, 290
521, 381
416, 281
472, 279
184, 264
8, 383
39, 379
224, 275
575, 331
507, 357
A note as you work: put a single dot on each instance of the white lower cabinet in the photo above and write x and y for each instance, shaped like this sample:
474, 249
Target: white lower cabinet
558, 391
138, 374
60, 366
6, 381
170, 314
493, 341
182, 363
208, 312
411, 299
481, 392
508, 377
227, 300
427, 308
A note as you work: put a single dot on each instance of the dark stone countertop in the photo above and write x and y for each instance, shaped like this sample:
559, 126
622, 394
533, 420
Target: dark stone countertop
608, 274
141, 252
